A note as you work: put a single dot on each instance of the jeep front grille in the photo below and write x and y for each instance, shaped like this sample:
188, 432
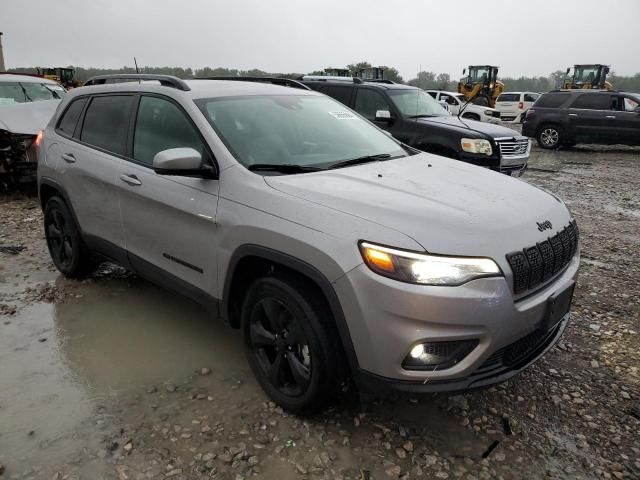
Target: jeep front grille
513, 147
536, 264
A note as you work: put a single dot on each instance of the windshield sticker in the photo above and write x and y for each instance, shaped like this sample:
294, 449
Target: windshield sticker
344, 115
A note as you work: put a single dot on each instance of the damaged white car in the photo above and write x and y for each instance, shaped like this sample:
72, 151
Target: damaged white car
27, 103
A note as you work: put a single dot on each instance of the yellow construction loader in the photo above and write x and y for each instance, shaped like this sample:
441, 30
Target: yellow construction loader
481, 85
65, 76
589, 77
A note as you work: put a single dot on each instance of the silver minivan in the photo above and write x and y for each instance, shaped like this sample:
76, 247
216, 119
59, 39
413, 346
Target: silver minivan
342, 254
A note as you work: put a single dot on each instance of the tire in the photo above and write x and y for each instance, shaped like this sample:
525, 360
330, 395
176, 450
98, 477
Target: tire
288, 342
471, 116
68, 252
550, 137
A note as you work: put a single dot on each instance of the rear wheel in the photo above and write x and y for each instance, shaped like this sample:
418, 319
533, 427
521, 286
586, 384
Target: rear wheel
67, 250
550, 137
288, 344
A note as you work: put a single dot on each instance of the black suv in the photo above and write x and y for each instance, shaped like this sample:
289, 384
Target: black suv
412, 116
564, 118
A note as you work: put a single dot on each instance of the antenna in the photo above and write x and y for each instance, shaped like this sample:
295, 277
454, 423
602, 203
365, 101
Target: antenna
135, 62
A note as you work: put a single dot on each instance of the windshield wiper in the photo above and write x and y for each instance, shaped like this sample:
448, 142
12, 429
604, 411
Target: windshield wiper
282, 168
359, 160
422, 115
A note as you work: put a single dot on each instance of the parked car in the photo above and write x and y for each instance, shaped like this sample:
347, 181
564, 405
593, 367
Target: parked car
337, 250
456, 101
26, 105
414, 117
564, 118
513, 106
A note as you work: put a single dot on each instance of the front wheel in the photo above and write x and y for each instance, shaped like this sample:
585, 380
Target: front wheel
550, 137
288, 345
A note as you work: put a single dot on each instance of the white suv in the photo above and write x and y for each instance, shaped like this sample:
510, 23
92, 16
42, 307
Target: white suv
455, 101
513, 106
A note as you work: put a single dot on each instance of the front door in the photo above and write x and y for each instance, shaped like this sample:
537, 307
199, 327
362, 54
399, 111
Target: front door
169, 221
628, 121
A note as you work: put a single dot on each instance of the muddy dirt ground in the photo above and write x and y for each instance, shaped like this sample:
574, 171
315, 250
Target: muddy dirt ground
111, 377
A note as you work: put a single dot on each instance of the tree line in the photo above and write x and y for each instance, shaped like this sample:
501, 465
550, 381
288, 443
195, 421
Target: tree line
425, 79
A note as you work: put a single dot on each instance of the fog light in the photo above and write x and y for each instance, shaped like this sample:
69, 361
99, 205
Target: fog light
438, 355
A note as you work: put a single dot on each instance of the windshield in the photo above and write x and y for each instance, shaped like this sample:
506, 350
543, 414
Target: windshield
479, 75
19, 92
307, 131
415, 103
586, 74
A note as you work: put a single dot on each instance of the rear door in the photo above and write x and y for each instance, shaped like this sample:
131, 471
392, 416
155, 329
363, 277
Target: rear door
88, 162
169, 221
590, 117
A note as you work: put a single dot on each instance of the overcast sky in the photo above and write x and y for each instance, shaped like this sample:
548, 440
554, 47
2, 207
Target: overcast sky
522, 37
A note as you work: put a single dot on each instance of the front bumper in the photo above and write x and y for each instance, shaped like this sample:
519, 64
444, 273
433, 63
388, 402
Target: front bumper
386, 318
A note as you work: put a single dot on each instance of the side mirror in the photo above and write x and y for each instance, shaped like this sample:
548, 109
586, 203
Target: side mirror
182, 162
464, 71
567, 72
444, 104
383, 116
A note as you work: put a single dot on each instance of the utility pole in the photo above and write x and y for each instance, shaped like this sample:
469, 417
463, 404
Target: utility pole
1, 55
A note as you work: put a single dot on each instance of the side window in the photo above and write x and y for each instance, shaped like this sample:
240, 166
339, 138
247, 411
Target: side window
340, 93
368, 102
161, 125
593, 101
69, 120
448, 98
433, 94
107, 121
530, 97
630, 104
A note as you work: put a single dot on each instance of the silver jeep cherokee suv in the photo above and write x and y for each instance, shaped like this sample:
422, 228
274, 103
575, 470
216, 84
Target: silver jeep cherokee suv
340, 252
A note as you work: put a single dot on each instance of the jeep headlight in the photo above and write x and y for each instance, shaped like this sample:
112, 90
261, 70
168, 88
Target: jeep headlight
425, 269
476, 145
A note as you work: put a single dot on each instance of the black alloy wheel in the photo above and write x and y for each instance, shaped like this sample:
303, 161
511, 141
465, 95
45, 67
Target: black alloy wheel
280, 346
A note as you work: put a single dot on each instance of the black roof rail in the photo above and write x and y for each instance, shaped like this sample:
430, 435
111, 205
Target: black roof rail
165, 80
283, 82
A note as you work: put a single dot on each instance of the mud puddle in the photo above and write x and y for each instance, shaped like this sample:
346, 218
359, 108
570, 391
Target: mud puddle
62, 363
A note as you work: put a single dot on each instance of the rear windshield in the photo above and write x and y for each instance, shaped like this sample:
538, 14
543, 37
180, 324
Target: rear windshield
552, 100
24, 92
509, 97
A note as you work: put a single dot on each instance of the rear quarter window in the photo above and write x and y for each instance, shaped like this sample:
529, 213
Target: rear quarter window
70, 117
552, 100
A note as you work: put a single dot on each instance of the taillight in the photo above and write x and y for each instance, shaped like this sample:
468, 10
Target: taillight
521, 105
38, 140
530, 112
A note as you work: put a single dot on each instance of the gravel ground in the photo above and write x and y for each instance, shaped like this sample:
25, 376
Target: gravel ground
113, 378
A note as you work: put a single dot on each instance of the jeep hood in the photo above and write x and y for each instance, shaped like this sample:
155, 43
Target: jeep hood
27, 118
483, 128
447, 206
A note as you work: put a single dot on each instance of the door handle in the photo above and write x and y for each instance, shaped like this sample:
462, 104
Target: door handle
610, 116
573, 114
131, 180
69, 158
